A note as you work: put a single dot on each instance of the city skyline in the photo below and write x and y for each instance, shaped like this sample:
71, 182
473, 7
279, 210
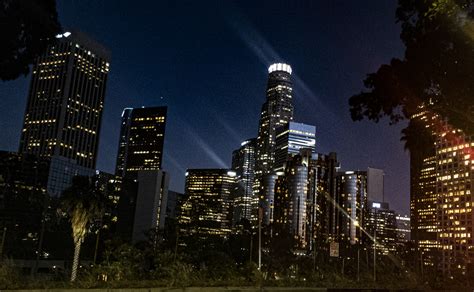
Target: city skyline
216, 150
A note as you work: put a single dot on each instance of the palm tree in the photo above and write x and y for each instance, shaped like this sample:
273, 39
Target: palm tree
83, 202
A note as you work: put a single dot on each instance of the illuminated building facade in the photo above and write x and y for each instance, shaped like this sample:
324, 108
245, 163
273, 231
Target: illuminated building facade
243, 163
291, 191
403, 228
455, 193
381, 222
66, 99
423, 197
441, 196
277, 111
290, 139
351, 195
141, 141
207, 208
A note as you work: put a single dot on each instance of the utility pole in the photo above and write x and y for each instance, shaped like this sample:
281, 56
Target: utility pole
259, 238
3, 241
251, 245
358, 262
375, 245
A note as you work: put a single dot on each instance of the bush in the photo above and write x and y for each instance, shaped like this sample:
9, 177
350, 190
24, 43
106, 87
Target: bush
9, 277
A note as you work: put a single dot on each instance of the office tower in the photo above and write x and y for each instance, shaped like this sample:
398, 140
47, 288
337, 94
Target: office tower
141, 141
65, 100
243, 163
455, 193
23, 180
375, 185
291, 192
351, 195
381, 224
277, 111
150, 210
423, 198
123, 142
207, 209
173, 205
321, 201
403, 228
441, 195
267, 198
290, 139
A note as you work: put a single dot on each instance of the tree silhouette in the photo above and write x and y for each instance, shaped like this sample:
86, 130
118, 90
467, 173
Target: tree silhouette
26, 29
436, 71
84, 203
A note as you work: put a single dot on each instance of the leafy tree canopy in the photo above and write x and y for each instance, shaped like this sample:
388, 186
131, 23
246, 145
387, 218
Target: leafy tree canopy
437, 69
26, 28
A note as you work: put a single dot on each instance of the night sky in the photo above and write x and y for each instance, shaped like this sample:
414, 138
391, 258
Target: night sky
207, 61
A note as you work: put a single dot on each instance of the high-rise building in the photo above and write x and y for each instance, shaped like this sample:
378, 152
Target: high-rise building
276, 112
321, 207
243, 163
207, 210
351, 196
375, 185
151, 202
123, 142
423, 197
141, 141
403, 228
66, 99
291, 193
382, 225
455, 194
441, 195
290, 139
267, 197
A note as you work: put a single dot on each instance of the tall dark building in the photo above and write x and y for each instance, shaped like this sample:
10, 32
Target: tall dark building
277, 111
322, 224
243, 163
66, 99
141, 141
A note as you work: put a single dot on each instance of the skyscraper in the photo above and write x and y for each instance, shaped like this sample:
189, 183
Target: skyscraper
207, 209
291, 192
141, 141
276, 112
290, 139
381, 222
243, 163
322, 224
375, 185
351, 195
66, 99
455, 200
152, 198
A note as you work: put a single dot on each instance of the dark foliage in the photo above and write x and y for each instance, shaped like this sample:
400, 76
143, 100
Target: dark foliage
26, 29
437, 69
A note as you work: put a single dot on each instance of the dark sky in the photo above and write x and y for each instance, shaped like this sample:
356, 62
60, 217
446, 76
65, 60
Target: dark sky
207, 61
